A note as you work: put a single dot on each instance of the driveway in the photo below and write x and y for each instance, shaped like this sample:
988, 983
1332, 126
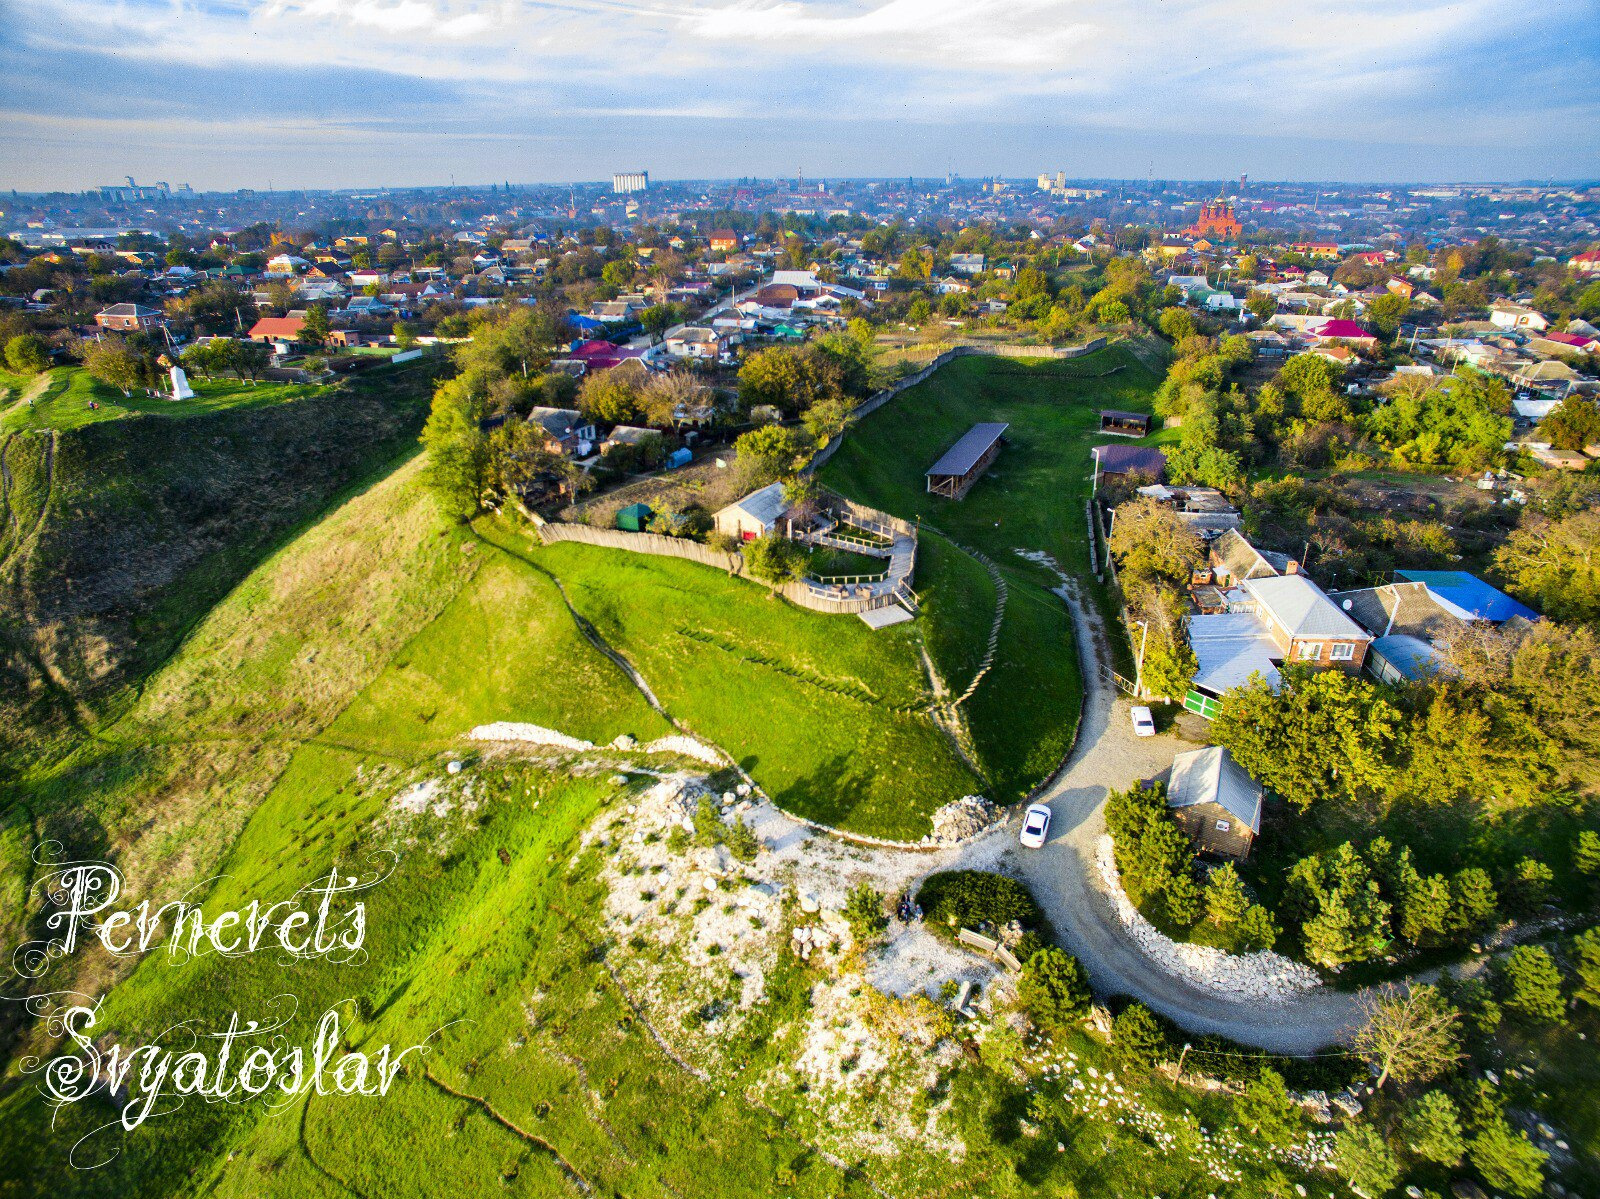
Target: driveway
1067, 884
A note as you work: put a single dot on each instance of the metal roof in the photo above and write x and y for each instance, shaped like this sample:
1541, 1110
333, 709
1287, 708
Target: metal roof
1230, 647
1469, 593
1411, 656
1126, 459
1212, 776
974, 444
1302, 608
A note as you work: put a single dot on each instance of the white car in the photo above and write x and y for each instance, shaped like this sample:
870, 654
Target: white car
1035, 825
1144, 723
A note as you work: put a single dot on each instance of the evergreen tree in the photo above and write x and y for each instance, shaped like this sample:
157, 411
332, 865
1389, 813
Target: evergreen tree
1586, 954
1054, 990
1530, 984
1432, 1128
1362, 1157
1507, 1160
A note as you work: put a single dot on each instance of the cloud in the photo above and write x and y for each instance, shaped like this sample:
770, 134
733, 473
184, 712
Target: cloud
1430, 72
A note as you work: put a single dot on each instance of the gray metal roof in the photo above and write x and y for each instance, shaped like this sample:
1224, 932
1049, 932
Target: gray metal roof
1302, 608
974, 444
1212, 776
1230, 647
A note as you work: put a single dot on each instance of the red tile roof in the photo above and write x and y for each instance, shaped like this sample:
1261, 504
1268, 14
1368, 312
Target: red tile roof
278, 326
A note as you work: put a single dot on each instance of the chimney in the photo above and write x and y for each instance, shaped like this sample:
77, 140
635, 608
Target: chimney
1293, 568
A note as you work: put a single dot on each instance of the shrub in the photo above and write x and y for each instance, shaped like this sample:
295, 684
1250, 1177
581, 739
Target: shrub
1531, 984
1054, 990
741, 842
1432, 1128
976, 899
1138, 1042
864, 910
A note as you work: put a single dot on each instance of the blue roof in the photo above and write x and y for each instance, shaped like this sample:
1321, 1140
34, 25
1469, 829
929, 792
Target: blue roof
1470, 593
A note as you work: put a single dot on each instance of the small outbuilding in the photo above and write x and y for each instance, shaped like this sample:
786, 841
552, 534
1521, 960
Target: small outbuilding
963, 463
635, 518
1215, 802
1124, 424
759, 513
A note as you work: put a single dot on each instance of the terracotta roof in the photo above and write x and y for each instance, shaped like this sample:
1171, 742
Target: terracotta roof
278, 326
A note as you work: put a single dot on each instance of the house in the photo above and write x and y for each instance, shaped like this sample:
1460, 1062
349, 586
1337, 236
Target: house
277, 329
967, 264
633, 435
695, 342
1307, 627
1233, 560
1468, 596
1407, 622
588, 356
1351, 333
756, 515
724, 241
285, 264
129, 318
1128, 460
1587, 263
1506, 315
1338, 355
567, 431
1215, 802
1564, 343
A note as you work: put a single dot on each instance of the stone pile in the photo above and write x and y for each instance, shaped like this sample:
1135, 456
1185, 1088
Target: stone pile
960, 819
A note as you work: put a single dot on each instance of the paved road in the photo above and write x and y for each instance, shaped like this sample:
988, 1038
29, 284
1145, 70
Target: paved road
1064, 879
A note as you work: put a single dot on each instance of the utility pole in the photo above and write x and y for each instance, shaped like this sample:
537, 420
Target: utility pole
1138, 677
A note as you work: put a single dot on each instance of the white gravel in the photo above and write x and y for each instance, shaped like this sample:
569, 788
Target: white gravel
508, 730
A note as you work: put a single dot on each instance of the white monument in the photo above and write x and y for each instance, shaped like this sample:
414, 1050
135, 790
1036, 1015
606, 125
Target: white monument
180, 385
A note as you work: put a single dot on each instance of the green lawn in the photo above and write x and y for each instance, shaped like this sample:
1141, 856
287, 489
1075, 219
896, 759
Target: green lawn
826, 714
64, 404
1031, 499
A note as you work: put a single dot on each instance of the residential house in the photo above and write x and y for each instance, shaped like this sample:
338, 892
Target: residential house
1586, 263
129, 318
1215, 802
696, 342
724, 241
286, 264
967, 264
1506, 315
277, 329
567, 431
757, 514
634, 435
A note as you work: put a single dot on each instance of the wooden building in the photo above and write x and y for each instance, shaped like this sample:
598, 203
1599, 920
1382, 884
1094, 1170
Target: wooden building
1126, 424
1215, 802
963, 463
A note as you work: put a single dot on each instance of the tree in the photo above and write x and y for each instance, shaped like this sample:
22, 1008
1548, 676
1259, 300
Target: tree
1573, 424
114, 362
1386, 312
1262, 305
1530, 884
613, 395
1507, 1160
315, 331
1553, 564
1053, 989
1344, 917
1317, 735
789, 378
863, 909
1410, 1034
741, 842
1137, 1041
769, 453
1152, 543
1473, 902
774, 559
1586, 962
1176, 324
458, 450
1154, 856
1169, 668
826, 419
27, 354
1362, 1157
519, 465
1266, 1111
1226, 900
1586, 855
658, 318
1432, 1128
1530, 984
404, 335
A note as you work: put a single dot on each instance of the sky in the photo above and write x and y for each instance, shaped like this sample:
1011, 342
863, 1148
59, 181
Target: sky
359, 93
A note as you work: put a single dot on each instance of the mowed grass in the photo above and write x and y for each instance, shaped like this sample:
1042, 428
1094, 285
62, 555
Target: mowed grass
1031, 499
65, 401
829, 716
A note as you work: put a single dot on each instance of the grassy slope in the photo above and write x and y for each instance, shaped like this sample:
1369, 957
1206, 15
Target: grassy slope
1032, 499
116, 537
64, 402
826, 714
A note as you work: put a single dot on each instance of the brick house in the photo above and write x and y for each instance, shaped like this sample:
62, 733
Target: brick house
129, 318
1307, 627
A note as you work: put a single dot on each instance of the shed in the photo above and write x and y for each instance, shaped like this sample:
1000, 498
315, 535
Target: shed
1125, 424
679, 457
1129, 460
961, 465
756, 515
635, 518
1215, 802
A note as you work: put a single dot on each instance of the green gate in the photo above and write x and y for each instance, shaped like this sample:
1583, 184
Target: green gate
1202, 705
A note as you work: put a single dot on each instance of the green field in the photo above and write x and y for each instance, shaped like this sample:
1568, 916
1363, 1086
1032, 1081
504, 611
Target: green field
64, 402
1031, 499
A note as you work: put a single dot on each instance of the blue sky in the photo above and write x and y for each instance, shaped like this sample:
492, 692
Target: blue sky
231, 93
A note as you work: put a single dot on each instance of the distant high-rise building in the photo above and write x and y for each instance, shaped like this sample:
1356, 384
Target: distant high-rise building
630, 181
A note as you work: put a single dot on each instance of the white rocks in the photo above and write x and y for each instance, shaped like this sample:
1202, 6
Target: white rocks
624, 741
506, 730
809, 902
454, 767
416, 798
1267, 977
688, 747
742, 790
960, 819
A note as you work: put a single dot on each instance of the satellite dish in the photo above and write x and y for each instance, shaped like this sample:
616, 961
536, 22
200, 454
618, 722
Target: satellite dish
1345, 605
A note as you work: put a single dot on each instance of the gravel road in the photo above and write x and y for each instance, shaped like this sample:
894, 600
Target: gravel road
1063, 878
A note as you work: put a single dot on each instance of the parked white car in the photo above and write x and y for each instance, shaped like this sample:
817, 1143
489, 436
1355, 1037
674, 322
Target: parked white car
1144, 722
1035, 826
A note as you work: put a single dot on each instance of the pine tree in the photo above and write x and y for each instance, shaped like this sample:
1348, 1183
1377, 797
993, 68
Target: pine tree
1531, 984
1432, 1127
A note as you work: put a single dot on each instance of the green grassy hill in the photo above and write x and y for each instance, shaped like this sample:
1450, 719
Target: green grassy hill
1031, 499
116, 536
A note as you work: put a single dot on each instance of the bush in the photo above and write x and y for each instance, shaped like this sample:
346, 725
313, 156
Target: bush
1054, 990
1507, 1160
1138, 1042
741, 842
864, 910
976, 899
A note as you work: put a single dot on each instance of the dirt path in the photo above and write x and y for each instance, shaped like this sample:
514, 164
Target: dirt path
1064, 878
